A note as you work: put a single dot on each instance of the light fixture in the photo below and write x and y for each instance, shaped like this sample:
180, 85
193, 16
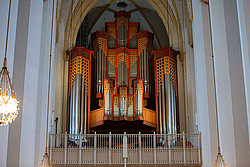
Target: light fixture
46, 160
8, 101
219, 161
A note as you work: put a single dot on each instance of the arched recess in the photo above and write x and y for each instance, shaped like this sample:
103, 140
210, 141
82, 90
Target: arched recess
162, 7
167, 11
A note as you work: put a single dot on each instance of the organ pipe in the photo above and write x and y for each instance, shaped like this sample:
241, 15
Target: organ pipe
85, 112
160, 112
163, 108
82, 107
79, 76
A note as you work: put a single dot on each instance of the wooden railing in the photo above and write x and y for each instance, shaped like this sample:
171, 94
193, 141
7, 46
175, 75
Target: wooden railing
112, 149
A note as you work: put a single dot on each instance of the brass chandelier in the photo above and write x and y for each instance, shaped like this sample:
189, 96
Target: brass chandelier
8, 101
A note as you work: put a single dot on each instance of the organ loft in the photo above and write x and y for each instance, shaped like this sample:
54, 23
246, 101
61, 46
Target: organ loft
121, 84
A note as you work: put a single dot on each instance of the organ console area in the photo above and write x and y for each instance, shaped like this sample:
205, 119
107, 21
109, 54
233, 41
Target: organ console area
122, 85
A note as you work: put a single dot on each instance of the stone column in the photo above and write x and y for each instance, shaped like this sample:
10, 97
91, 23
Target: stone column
22, 133
231, 99
204, 82
243, 8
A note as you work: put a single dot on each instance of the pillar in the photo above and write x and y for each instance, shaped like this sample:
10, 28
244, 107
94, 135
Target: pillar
231, 98
243, 7
22, 132
204, 82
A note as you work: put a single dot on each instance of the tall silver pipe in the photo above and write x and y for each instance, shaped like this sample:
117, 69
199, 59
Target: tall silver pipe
173, 108
82, 107
78, 103
147, 74
85, 111
101, 68
122, 73
74, 108
163, 107
160, 112
170, 105
168, 102
175, 114
97, 73
139, 66
70, 111
100, 74
143, 64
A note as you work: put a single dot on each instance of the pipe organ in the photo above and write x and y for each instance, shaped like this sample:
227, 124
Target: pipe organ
166, 89
79, 89
129, 87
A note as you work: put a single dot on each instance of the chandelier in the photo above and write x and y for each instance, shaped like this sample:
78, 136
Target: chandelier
8, 101
219, 162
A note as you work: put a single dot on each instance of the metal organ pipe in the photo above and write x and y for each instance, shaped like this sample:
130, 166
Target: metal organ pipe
82, 107
147, 74
97, 72
71, 109
172, 110
175, 114
160, 112
78, 102
140, 66
85, 110
101, 68
163, 107
168, 103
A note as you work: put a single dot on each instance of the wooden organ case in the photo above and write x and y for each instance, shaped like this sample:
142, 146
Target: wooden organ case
122, 85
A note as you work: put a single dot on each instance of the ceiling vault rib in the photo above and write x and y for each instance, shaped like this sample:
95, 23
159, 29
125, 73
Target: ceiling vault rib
146, 9
150, 25
104, 9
